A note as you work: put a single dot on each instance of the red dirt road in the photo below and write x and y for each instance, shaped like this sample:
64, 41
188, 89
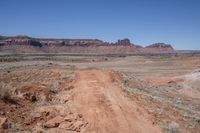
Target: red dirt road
103, 104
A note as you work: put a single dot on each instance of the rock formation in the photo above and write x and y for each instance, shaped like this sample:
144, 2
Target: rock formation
25, 44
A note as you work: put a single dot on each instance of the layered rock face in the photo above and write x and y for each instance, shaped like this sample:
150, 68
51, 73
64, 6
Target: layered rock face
160, 47
125, 41
25, 44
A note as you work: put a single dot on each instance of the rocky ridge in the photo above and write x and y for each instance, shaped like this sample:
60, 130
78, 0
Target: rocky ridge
25, 44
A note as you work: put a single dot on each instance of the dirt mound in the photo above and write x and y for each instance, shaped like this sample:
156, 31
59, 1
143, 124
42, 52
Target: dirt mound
39, 102
33, 93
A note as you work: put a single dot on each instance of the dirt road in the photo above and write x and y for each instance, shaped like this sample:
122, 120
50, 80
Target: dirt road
107, 110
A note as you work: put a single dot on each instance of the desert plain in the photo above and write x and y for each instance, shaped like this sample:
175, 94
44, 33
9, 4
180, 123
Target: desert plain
66, 93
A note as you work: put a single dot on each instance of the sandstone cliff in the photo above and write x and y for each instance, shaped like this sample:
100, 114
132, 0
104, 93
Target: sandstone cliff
25, 44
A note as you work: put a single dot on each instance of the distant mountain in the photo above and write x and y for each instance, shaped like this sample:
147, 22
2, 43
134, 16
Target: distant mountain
25, 44
159, 47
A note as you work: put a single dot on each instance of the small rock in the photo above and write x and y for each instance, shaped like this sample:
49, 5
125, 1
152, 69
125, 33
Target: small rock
3, 122
55, 122
80, 115
65, 125
69, 118
36, 115
2, 112
79, 124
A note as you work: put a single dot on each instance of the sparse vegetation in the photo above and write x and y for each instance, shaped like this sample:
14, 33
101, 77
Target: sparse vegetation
149, 80
4, 93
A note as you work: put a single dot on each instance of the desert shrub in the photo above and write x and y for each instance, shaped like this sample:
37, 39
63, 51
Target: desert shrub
5, 95
52, 88
68, 75
4, 92
173, 127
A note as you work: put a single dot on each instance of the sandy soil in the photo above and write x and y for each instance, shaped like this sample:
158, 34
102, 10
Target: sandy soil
106, 108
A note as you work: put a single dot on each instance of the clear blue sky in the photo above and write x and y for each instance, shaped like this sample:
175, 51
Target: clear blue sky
142, 21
